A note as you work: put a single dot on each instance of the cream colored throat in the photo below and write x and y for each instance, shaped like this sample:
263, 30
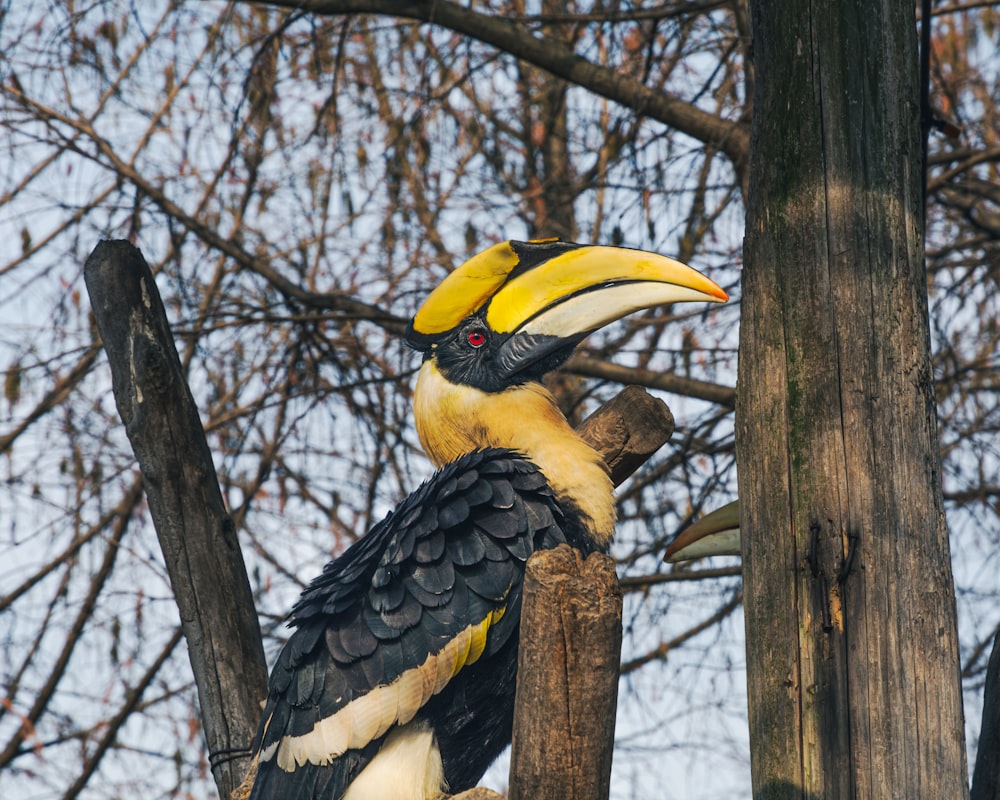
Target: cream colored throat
453, 420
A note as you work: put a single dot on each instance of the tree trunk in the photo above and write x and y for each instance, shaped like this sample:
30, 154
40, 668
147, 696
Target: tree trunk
567, 677
852, 654
199, 544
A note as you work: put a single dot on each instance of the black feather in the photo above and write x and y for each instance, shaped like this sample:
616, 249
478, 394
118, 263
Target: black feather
381, 629
532, 481
388, 597
429, 599
354, 640
305, 681
400, 548
503, 494
406, 615
464, 480
435, 578
479, 493
466, 550
492, 549
454, 512
447, 488
430, 548
303, 642
426, 523
520, 547
446, 559
539, 515
493, 581
497, 524
384, 575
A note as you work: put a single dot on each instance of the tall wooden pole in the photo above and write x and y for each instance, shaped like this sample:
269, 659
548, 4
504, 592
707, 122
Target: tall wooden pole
853, 676
200, 547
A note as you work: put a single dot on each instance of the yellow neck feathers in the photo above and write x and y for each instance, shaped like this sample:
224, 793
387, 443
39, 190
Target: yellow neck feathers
453, 420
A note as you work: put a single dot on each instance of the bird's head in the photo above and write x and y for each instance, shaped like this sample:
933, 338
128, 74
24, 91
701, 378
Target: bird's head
512, 313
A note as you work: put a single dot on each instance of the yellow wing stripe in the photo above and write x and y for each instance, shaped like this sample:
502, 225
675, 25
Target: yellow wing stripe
371, 715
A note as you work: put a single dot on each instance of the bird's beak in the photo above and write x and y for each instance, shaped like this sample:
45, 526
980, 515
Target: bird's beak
545, 297
555, 304
715, 534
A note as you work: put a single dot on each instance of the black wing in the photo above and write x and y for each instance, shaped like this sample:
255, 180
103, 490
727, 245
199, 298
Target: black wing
387, 632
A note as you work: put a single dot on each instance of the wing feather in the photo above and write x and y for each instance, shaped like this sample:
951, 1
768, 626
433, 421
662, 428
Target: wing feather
388, 626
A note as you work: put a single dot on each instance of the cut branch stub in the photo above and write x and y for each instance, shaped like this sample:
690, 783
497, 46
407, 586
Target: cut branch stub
627, 430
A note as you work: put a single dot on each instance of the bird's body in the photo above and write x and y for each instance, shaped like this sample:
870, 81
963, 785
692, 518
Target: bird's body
454, 420
415, 625
398, 680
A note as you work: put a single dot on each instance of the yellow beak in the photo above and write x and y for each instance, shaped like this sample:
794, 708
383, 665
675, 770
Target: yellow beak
715, 534
551, 290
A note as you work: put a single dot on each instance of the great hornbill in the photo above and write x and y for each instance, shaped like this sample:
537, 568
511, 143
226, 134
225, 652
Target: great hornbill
397, 682
715, 534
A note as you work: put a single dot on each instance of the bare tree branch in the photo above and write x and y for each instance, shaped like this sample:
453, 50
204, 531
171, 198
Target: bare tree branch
732, 138
689, 387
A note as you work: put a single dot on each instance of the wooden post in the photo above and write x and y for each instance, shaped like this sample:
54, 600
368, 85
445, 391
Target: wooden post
196, 535
567, 687
852, 647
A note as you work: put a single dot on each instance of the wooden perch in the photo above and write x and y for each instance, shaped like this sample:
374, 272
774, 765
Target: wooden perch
570, 659
627, 430
567, 687
199, 544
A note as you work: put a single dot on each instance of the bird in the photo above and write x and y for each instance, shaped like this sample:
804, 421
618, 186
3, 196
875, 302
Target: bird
397, 679
715, 534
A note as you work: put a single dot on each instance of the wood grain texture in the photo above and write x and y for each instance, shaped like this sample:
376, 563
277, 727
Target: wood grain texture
567, 688
196, 535
627, 430
853, 669
478, 793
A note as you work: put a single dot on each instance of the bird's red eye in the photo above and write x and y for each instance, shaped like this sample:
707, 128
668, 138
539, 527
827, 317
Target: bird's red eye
477, 338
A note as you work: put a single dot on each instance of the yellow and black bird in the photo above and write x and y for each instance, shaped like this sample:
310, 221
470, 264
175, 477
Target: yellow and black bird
715, 534
397, 682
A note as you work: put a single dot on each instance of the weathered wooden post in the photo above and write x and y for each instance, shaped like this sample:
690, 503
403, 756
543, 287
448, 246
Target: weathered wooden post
852, 650
196, 535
